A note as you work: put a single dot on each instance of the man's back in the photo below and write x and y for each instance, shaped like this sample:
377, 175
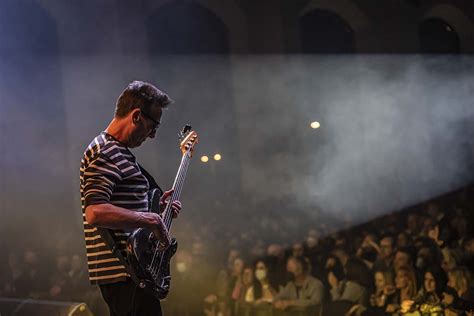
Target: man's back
109, 174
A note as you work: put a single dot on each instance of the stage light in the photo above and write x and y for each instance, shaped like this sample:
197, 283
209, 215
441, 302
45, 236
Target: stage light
315, 124
204, 158
217, 157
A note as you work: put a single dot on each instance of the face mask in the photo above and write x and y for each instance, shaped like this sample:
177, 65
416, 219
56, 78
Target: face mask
260, 274
181, 267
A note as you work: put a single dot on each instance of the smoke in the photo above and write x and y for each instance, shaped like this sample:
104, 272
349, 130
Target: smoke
395, 130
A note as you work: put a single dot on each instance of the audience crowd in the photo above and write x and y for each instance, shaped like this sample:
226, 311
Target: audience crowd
418, 261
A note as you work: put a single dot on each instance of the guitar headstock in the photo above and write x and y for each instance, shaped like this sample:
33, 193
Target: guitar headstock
187, 140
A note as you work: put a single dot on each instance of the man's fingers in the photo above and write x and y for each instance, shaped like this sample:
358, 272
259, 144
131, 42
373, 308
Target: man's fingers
167, 194
177, 205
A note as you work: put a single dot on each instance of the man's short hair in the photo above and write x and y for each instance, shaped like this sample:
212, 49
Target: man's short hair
141, 95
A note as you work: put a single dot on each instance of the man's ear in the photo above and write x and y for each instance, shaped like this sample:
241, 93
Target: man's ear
135, 115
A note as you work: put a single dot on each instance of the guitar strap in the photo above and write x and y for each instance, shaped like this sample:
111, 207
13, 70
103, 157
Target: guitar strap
110, 242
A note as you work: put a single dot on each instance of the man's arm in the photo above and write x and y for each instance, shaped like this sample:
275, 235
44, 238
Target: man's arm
315, 298
110, 216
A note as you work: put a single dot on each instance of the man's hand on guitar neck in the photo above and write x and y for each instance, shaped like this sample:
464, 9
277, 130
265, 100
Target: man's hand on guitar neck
160, 231
176, 206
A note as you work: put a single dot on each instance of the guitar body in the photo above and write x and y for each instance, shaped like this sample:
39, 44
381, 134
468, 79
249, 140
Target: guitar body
142, 245
153, 273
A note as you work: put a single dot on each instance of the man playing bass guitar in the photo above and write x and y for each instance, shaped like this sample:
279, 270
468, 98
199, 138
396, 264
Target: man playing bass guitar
114, 196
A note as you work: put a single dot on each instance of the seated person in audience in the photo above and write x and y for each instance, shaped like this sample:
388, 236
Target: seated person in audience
405, 284
384, 287
403, 240
248, 282
460, 280
429, 300
367, 250
239, 284
263, 289
384, 294
303, 290
386, 253
350, 287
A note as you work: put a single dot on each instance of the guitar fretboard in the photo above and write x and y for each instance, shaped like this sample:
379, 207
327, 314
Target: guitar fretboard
178, 187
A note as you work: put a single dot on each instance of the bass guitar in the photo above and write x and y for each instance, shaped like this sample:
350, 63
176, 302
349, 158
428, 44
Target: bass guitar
149, 264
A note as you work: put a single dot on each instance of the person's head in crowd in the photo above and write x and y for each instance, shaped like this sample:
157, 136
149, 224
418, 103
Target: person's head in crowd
238, 267
369, 240
297, 249
233, 254
198, 248
460, 279
183, 259
429, 224
76, 262
468, 247
334, 264
331, 261
403, 240
434, 281
30, 257
335, 272
433, 211
342, 254
63, 263
357, 271
405, 280
386, 248
412, 223
382, 279
297, 266
460, 226
428, 255
403, 258
340, 241
14, 263
262, 271
449, 261
258, 249
276, 251
247, 276
312, 239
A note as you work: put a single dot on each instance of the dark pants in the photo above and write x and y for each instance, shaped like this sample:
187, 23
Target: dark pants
127, 299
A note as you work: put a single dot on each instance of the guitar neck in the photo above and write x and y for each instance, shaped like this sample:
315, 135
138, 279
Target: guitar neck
177, 187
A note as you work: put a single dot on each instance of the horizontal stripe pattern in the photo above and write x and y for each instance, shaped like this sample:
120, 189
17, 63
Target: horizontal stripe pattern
109, 174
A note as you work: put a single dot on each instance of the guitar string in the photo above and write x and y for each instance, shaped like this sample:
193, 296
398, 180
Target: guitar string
169, 212
178, 176
152, 263
179, 187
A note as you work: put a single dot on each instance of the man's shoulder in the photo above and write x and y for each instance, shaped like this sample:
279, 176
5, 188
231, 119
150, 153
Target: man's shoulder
101, 145
314, 281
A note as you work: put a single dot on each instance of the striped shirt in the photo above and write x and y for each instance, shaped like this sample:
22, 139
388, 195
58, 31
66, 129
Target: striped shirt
109, 173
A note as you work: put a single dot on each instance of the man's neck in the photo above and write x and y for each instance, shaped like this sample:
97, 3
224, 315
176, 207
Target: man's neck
118, 130
299, 280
